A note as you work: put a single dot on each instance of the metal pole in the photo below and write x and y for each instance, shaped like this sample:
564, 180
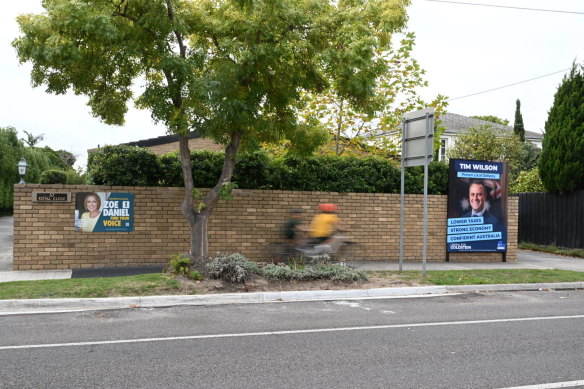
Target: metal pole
425, 194
402, 198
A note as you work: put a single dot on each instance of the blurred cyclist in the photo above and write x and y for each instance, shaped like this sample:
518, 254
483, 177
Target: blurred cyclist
323, 228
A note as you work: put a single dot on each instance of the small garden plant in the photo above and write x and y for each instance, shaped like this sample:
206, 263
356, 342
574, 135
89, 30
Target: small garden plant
181, 265
236, 268
232, 268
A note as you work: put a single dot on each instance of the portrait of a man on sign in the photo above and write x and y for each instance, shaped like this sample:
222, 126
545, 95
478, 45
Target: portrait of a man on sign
477, 206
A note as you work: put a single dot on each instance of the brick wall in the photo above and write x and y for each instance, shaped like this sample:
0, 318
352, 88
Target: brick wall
45, 237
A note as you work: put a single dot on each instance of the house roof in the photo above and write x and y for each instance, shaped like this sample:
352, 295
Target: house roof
456, 124
159, 140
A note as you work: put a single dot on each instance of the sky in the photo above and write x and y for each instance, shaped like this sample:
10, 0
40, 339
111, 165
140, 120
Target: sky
465, 49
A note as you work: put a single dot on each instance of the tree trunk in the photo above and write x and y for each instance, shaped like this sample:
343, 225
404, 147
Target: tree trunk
198, 211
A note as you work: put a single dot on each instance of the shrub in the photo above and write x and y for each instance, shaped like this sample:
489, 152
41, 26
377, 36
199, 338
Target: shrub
232, 268
75, 178
206, 166
53, 177
336, 273
528, 181
437, 179
259, 170
279, 273
123, 165
335, 174
253, 170
180, 265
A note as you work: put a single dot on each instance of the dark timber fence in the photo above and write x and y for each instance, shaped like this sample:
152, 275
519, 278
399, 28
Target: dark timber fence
549, 218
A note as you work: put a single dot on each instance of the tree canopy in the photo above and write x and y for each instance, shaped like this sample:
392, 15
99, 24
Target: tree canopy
232, 70
492, 119
373, 128
561, 164
39, 160
518, 127
489, 144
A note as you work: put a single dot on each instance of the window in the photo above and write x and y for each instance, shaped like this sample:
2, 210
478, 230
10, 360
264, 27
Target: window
442, 150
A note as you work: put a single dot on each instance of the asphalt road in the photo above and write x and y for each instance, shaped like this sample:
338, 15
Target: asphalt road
496, 340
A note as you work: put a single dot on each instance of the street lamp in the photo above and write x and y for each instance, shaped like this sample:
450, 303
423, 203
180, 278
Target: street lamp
22, 165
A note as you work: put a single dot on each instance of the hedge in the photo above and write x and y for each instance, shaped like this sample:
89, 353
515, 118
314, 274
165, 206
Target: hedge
134, 166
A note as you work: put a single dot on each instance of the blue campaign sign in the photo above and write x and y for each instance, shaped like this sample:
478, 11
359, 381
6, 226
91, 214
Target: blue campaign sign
477, 206
104, 212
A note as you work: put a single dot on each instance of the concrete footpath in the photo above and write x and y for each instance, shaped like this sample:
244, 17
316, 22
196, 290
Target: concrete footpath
526, 260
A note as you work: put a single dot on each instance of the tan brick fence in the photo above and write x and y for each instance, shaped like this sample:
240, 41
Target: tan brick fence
45, 236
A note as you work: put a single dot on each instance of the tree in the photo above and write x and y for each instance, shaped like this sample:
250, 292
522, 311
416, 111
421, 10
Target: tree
11, 150
518, 127
493, 119
489, 144
531, 155
32, 140
373, 128
39, 159
68, 157
561, 164
232, 70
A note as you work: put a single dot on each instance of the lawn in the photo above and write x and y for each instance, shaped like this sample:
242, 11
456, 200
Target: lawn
161, 284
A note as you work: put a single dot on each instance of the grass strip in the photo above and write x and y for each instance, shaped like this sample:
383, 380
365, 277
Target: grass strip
140, 285
579, 253
483, 276
160, 284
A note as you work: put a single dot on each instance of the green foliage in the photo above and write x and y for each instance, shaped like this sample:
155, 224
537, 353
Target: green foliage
501, 276
531, 155
11, 149
232, 268
178, 264
518, 127
243, 68
123, 166
68, 157
552, 249
489, 144
527, 181
181, 265
437, 179
259, 170
140, 285
39, 160
253, 170
206, 166
369, 127
32, 140
75, 177
492, 119
53, 177
336, 273
561, 164
225, 191
336, 174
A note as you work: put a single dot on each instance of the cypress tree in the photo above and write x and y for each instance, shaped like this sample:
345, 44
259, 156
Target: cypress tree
561, 164
518, 127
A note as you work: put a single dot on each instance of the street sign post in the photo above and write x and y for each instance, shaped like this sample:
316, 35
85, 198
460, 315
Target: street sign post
417, 150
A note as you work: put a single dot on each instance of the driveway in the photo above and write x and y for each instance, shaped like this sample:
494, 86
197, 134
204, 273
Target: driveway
6, 239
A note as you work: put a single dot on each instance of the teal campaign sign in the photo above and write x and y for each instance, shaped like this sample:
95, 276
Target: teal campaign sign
104, 212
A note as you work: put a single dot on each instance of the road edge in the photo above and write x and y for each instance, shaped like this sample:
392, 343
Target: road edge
23, 306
